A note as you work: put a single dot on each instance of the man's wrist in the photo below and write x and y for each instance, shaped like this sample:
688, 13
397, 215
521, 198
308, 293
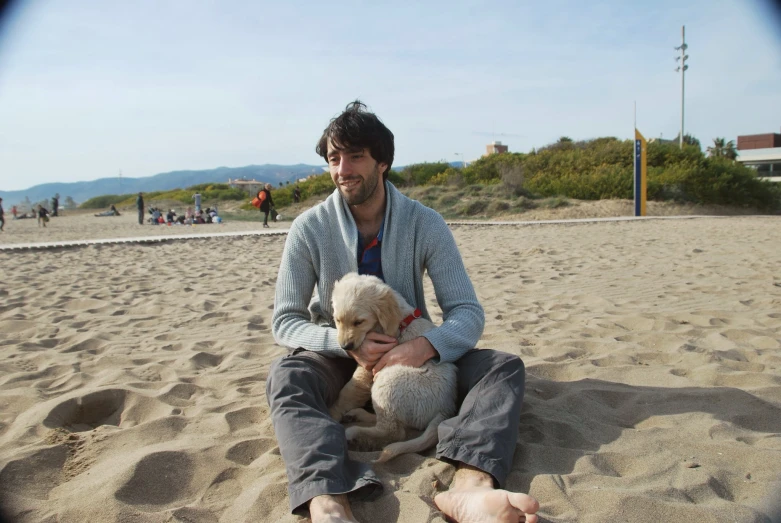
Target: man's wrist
428, 348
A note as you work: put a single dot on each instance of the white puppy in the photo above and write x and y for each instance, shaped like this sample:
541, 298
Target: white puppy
403, 397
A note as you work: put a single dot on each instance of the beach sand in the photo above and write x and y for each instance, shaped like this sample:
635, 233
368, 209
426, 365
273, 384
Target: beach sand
132, 376
80, 225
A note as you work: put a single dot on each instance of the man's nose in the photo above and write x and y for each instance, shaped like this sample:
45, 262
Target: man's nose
345, 166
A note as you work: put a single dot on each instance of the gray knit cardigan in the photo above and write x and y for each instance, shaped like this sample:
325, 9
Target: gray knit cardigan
322, 247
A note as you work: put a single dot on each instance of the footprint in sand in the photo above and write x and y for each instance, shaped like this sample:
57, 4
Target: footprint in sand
203, 360
245, 452
158, 478
17, 478
81, 414
246, 417
180, 395
89, 345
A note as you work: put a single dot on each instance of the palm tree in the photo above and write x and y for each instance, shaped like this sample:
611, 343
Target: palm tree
565, 139
723, 149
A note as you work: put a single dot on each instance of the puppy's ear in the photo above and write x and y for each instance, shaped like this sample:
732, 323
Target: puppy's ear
388, 313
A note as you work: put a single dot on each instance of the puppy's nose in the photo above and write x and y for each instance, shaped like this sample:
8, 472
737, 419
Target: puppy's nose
349, 346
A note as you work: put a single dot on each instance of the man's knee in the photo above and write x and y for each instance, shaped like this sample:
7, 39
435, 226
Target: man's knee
285, 371
510, 367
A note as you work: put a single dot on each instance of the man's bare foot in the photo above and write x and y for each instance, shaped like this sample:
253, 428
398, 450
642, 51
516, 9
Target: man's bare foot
331, 509
473, 499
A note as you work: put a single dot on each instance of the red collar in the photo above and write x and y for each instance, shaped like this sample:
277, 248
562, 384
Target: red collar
409, 319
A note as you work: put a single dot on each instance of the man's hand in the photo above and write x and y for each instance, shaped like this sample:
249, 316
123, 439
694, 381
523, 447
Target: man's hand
374, 347
413, 353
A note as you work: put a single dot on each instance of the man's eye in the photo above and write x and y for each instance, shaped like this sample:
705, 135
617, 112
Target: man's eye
357, 156
357, 322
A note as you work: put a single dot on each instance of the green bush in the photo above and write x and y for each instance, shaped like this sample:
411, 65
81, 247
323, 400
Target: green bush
397, 179
421, 173
107, 200
488, 169
718, 181
450, 176
209, 192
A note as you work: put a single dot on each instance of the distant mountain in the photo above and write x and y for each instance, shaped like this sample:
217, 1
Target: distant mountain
82, 191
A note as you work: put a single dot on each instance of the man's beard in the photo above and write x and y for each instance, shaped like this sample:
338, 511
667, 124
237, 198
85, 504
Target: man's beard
366, 189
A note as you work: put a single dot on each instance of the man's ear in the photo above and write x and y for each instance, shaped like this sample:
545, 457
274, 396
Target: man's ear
388, 313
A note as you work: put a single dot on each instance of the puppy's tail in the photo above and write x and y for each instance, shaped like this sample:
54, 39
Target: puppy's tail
426, 440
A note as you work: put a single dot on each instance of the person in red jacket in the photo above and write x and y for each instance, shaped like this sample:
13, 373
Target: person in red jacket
266, 203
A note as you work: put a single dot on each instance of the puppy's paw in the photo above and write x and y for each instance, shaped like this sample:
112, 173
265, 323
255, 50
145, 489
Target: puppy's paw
351, 434
359, 415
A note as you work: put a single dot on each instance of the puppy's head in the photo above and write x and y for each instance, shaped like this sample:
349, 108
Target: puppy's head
362, 304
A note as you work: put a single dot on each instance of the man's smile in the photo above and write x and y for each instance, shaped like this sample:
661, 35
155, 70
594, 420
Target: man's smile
349, 184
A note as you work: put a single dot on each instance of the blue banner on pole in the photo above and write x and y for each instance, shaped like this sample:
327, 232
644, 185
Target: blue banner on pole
640, 174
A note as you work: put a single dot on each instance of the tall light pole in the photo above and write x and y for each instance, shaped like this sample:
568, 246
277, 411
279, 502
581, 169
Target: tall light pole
682, 68
120, 181
463, 162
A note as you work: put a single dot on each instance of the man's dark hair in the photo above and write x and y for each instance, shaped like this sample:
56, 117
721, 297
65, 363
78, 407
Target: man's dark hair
357, 127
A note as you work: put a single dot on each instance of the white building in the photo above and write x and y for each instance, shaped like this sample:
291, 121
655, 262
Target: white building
767, 162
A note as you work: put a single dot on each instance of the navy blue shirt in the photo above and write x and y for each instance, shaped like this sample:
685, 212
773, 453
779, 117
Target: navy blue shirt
369, 256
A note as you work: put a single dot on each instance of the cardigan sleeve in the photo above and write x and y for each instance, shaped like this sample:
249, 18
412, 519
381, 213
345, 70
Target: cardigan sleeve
464, 318
291, 322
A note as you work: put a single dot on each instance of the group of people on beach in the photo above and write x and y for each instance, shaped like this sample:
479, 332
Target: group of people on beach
190, 217
40, 212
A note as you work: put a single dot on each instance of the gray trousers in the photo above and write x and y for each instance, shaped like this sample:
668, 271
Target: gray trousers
302, 385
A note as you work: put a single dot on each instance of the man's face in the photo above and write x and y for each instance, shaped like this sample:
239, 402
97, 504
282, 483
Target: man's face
355, 173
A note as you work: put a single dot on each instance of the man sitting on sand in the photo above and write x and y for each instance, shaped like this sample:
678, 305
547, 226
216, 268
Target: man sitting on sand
111, 212
368, 226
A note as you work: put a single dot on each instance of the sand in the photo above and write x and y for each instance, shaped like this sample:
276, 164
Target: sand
80, 225
132, 376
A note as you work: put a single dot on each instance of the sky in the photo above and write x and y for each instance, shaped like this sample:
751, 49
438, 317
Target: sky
89, 87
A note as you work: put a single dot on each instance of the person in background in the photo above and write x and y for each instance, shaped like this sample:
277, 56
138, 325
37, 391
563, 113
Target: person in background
111, 212
13, 211
43, 216
197, 198
140, 206
296, 194
2, 215
266, 203
55, 205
